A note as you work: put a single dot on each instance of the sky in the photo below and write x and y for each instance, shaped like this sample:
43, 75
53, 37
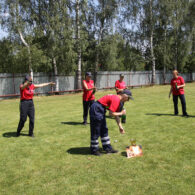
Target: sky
2, 33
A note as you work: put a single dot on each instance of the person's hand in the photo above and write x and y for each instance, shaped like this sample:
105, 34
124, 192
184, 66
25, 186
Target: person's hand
93, 88
52, 83
123, 112
178, 87
27, 83
122, 131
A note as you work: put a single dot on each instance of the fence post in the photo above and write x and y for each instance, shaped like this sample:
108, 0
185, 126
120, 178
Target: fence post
107, 79
13, 80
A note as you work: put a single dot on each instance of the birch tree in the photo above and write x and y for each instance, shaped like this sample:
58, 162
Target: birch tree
17, 25
78, 42
52, 25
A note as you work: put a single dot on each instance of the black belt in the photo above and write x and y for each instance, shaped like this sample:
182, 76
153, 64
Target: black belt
101, 105
26, 100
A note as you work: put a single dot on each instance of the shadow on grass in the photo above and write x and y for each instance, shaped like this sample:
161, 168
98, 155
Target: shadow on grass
191, 116
109, 117
80, 150
124, 154
12, 134
161, 114
71, 123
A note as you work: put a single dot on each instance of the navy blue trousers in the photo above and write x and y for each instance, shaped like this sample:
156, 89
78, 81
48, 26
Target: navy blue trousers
98, 127
86, 106
183, 103
26, 109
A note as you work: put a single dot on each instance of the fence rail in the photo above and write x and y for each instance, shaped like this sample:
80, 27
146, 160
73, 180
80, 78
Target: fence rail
9, 83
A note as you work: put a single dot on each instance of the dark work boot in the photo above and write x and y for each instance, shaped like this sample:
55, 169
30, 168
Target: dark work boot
31, 135
112, 151
84, 122
17, 134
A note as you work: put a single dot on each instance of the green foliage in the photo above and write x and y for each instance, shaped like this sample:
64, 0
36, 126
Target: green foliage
190, 63
114, 35
6, 56
108, 53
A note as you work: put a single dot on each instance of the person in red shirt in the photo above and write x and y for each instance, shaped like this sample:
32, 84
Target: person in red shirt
27, 105
177, 89
88, 95
98, 125
120, 84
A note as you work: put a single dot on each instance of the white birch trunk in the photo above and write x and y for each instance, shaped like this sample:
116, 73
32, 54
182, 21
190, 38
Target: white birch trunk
78, 44
164, 59
97, 53
56, 74
151, 45
29, 53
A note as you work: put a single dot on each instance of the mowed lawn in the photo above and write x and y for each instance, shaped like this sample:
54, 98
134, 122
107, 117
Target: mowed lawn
57, 160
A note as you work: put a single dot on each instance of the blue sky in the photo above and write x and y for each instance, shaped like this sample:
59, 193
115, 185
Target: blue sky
2, 33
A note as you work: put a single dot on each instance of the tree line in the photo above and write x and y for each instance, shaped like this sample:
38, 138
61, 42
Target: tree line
74, 36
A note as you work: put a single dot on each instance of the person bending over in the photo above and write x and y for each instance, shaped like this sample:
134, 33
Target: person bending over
98, 125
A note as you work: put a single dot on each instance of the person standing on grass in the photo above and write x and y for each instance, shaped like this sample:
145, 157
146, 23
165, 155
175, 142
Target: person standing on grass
177, 89
88, 95
98, 125
120, 84
27, 105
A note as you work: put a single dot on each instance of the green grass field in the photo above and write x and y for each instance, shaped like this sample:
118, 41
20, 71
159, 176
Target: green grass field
57, 160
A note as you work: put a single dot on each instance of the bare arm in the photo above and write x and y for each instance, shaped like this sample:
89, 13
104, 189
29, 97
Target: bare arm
25, 85
180, 86
118, 90
117, 113
44, 85
182, 82
86, 88
119, 125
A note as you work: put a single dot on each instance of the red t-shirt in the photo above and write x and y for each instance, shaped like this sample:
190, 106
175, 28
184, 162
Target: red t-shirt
88, 95
120, 85
111, 101
179, 81
27, 93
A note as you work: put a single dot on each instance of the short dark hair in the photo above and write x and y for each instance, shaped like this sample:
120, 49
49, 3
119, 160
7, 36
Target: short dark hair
88, 74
